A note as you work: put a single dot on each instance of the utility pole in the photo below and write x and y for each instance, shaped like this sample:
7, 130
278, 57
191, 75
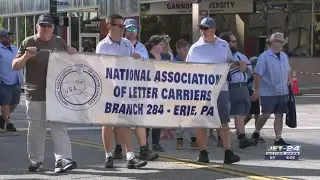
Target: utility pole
265, 15
54, 14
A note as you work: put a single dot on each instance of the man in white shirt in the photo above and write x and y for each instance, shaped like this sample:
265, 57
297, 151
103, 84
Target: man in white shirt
115, 45
131, 34
211, 49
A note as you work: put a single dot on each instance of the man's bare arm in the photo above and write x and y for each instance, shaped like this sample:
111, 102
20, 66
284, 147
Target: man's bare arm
257, 80
19, 62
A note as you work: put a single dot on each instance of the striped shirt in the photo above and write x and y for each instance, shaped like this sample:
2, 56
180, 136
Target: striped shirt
235, 75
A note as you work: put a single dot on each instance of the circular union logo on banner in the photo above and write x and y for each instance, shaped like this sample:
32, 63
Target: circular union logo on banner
78, 87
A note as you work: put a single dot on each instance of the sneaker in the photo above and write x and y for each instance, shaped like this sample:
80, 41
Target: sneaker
244, 142
136, 163
280, 142
147, 155
63, 165
261, 140
10, 127
230, 158
117, 154
108, 163
179, 144
2, 122
203, 157
194, 146
157, 148
35, 166
256, 137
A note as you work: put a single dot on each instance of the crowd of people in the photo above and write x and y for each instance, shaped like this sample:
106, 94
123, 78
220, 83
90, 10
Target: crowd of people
262, 80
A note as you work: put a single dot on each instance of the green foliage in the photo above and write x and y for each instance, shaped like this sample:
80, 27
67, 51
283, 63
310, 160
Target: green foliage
1, 23
165, 24
21, 29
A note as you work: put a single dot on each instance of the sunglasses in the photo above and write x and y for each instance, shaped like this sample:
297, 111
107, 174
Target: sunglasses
46, 25
235, 41
119, 25
133, 30
203, 28
279, 41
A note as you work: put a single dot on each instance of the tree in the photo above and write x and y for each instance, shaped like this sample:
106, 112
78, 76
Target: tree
1, 23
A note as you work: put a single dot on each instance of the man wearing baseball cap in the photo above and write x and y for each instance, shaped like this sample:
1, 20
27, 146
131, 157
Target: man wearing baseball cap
131, 34
213, 50
10, 81
35, 64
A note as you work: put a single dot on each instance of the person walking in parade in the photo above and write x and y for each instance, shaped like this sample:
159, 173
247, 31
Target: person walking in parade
211, 49
115, 45
131, 33
36, 65
10, 81
271, 79
182, 47
239, 93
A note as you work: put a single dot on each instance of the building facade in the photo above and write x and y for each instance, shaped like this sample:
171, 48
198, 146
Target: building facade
251, 20
81, 22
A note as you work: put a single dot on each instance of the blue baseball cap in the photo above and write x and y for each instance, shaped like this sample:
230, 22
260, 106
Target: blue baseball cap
208, 22
45, 19
4, 33
130, 22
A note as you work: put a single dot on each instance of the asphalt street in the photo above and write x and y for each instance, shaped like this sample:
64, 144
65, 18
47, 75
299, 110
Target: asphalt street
173, 164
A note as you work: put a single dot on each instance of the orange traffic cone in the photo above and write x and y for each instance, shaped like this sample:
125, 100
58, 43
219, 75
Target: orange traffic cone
295, 86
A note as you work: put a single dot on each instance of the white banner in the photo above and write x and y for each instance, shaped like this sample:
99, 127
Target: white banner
213, 7
109, 90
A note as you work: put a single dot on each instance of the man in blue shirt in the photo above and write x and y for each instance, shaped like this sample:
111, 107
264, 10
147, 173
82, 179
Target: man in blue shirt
271, 80
239, 93
10, 80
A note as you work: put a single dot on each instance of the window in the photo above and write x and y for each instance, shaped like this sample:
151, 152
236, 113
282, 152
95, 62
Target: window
21, 30
29, 26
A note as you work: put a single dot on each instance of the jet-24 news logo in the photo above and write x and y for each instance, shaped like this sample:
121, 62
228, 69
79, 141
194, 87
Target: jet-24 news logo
287, 152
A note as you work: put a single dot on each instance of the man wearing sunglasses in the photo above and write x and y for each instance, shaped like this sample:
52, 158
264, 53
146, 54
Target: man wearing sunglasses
131, 33
115, 45
36, 65
271, 80
10, 81
213, 50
